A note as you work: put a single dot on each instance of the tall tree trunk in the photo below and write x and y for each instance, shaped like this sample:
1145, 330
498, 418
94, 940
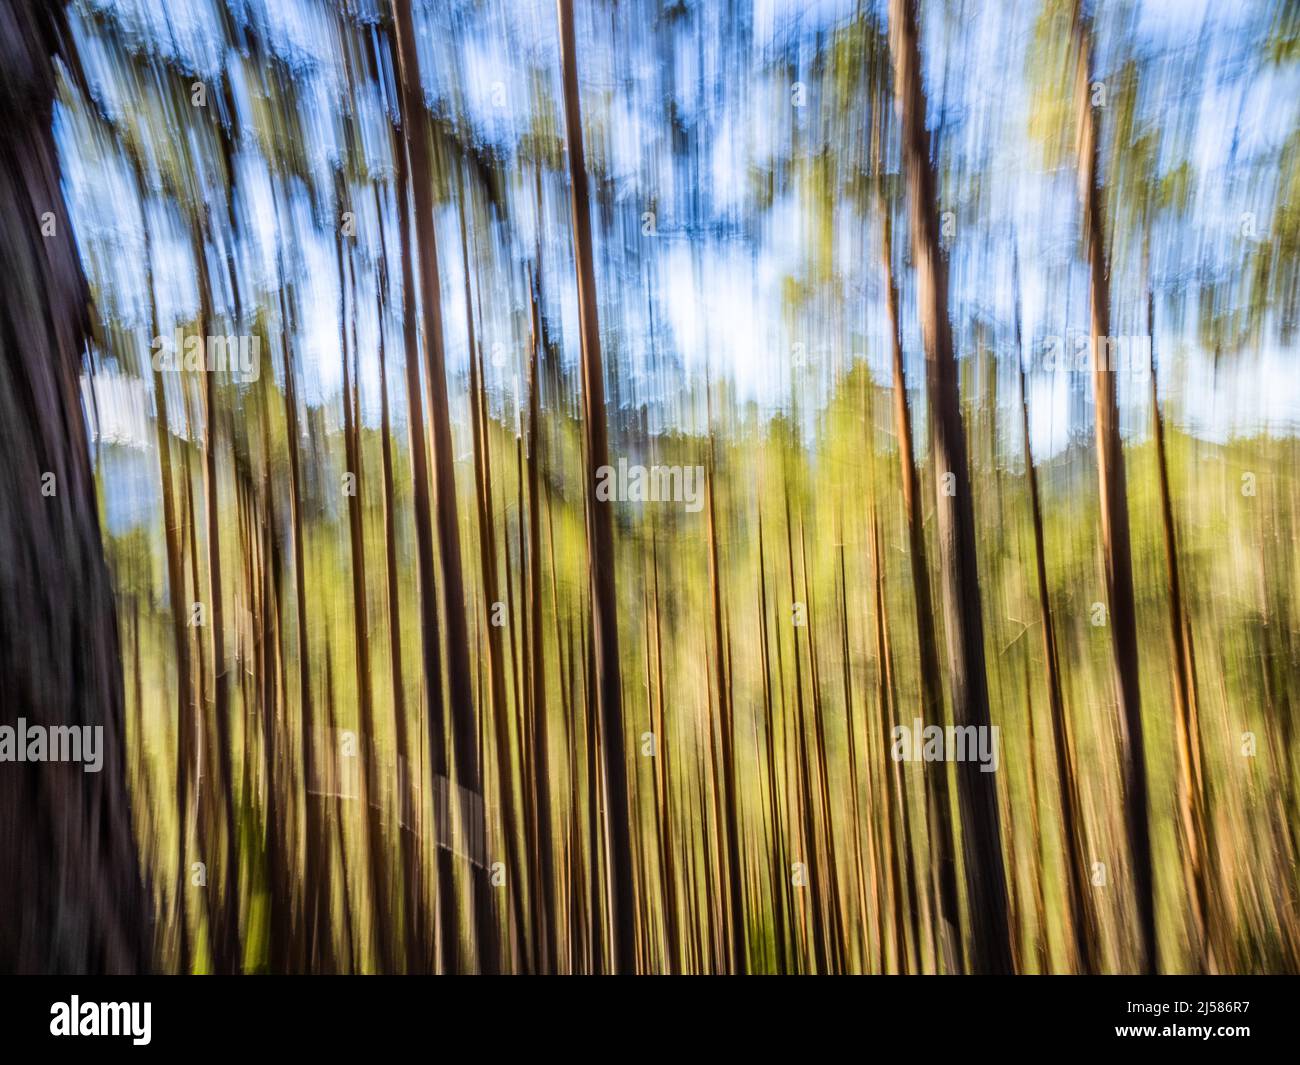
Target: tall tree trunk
315, 876
1191, 781
176, 598
430, 652
780, 878
1082, 923
408, 817
279, 836
835, 922
850, 732
371, 805
726, 727
459, 688
811, 851
981, 830
662, 773
888, 791
936, 778
544, 856
492, 593
70, 885
1115, 541
226, 944
600, 533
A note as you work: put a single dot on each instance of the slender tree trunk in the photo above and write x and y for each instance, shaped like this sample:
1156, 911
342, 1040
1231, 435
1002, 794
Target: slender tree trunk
1082, 924
977, 794
430, 653
850, 732
278, 835
544, 856
936, 778
203, 797
460, 691
885, 696
726, 725
780, 878
835, 921
372, 807
1115, 540
600, 533
1191, 781
315, 877
492, 593
408, 817
811, 856
226, 943
176, 598
662, 771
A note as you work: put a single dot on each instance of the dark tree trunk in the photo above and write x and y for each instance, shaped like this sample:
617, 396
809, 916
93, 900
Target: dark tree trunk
408, 819
1187, 729
70, 884
986, 882
936, 779
1117, 551
491, 594
1082, 924
459, 689
545, 848
600, 533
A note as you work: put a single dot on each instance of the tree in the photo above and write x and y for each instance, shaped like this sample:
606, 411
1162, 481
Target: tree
981, 836
460, 693
931, 687
600, 531
1115, 541
70, 885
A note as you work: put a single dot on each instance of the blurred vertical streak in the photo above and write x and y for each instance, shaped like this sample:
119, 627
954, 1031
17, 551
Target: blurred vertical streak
1115, 538
1081, 918
541, 798
459, 689
70, 882
810, 856
1192, 799
376, 848
312, 940
408, 817
727, 728
776, 830
225, 937
600, 533
492, 594
939, 805
175, 593
986, 883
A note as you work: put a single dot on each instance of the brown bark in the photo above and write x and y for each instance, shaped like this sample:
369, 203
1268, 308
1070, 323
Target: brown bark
176, 598
1187, 730
226, 950
1081, 917
939, 805
726, 728
492, 592
544, 856
70, 882
1115, 540
977, 794
374, 843
459, 688
408, 818
600, 533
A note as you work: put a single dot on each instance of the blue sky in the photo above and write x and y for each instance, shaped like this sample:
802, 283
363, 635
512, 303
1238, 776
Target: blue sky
708, 289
